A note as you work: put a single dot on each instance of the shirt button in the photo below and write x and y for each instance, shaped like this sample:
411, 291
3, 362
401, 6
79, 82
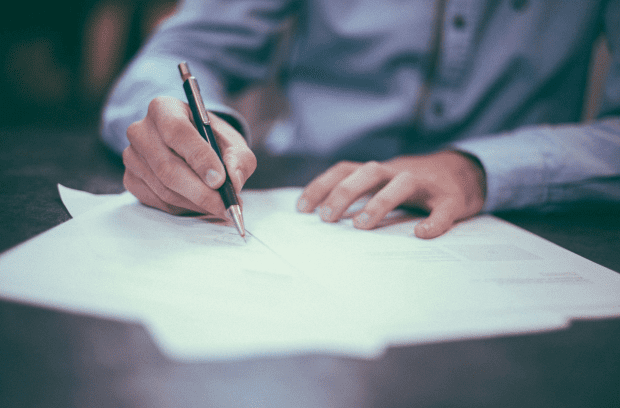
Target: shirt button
437, 108
519, 5
458, 22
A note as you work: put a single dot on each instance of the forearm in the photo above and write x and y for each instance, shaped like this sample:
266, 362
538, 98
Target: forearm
152, 75
227, 45
538, 166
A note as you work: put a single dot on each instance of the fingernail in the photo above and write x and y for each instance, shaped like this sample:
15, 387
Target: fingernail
362, 220
424, 227
326, 213
302, 205
213, 177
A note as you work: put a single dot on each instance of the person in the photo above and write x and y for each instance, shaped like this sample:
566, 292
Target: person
455, 107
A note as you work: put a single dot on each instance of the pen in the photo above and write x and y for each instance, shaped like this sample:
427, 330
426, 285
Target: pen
203, 124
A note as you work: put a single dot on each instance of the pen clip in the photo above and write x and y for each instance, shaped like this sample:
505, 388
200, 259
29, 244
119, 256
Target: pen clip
190, 81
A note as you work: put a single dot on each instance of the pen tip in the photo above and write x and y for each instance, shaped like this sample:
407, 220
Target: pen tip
235, 213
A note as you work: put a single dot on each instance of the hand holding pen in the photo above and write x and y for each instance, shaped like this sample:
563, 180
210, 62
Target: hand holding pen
203, 124
170, 166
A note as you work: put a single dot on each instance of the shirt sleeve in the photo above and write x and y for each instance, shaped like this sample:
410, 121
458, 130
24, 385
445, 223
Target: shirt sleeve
227, 44
548, 165
544, 166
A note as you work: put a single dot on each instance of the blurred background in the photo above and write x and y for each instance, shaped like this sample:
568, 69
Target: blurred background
59, 59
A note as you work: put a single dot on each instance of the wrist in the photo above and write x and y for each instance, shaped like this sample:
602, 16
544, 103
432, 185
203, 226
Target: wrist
474, 170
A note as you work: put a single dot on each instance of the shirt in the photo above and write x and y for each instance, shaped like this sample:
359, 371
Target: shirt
368, 80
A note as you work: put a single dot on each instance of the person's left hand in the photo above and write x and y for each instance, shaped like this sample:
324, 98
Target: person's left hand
450, 185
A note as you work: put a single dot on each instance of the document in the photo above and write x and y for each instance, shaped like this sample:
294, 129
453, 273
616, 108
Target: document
298, 285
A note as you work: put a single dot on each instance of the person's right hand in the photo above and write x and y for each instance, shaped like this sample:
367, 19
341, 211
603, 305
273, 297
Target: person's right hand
169, 166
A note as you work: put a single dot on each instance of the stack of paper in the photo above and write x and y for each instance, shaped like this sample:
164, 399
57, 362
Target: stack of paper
299, 285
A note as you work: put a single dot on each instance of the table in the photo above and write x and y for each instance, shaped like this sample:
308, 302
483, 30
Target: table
55, 358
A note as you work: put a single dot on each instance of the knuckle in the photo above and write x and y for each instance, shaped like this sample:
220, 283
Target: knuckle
374, 212
321, 184
167, 196
406, 179
131, 159
242, 154
158, 104
198, 157
203, 201
373, 167
249, 161
380, 202
134, 131
127, 156
128, 182
343, 190
174, 127
206, 201
372, 164
165, 171
345, 166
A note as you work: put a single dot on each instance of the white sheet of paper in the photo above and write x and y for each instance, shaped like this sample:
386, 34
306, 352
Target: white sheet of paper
79, 202
483, 263
300, 285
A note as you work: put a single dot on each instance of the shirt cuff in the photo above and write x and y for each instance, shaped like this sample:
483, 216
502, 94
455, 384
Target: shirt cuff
515, 168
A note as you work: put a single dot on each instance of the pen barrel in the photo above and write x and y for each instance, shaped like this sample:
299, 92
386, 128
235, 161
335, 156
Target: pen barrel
207, 133
227, 192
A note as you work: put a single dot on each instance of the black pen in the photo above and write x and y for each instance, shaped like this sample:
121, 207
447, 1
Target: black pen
203, 124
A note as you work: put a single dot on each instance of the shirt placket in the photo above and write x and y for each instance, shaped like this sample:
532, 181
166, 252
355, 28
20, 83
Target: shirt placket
454, 54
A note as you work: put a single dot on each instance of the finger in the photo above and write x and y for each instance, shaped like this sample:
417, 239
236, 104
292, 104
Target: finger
320, 187
147, 197
239, 159
369, 176
136, 168
442, 217
172, 170
396, 192
172, 120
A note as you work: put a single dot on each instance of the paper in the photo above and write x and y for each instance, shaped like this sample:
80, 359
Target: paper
79, 202
300, 285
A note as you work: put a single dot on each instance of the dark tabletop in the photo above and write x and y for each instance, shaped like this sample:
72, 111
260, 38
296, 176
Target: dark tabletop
51, 358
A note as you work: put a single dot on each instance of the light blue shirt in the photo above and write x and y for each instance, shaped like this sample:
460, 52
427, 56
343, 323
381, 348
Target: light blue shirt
368, 80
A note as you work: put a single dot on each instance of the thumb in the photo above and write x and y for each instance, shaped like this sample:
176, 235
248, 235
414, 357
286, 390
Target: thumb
441, 218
